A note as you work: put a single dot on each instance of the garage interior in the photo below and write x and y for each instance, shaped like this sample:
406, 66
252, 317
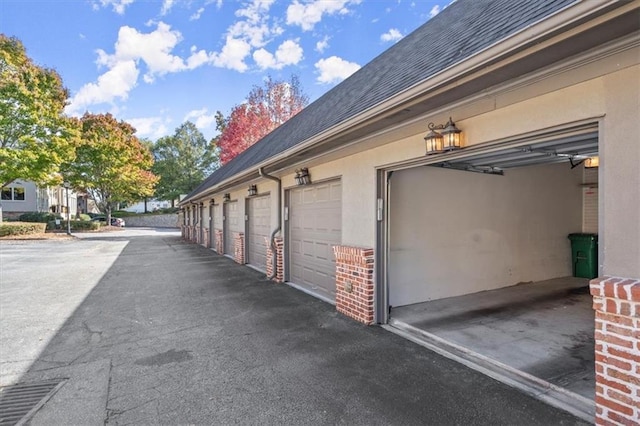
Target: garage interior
480, 262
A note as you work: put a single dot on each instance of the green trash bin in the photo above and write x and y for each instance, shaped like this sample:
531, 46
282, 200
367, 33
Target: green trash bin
584, 255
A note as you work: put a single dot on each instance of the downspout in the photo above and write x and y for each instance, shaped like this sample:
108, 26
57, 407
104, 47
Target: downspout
196, 218
272, 241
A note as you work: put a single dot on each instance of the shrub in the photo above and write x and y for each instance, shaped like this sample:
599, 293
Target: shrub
42, 217
21, 228
85, 217
84, 225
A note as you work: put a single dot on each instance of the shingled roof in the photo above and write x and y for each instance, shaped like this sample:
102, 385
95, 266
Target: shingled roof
461, 30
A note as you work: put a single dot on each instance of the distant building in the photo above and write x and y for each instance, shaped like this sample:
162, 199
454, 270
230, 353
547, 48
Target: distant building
23, 196
152, 205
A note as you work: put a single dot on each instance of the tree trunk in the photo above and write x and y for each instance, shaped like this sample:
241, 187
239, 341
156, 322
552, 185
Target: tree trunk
145, 205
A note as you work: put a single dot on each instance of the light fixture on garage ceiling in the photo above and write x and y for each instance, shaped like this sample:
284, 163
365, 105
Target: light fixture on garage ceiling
253, 190
592, 162
303, 177
227, 197
574, 159
447, 139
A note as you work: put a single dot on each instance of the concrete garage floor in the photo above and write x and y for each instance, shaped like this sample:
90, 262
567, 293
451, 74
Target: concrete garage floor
543, 329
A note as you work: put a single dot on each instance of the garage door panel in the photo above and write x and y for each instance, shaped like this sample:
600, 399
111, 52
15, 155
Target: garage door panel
315, 227
231, 225
258, 230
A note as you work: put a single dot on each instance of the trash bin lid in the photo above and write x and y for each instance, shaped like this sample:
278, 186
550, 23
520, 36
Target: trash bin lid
583, 237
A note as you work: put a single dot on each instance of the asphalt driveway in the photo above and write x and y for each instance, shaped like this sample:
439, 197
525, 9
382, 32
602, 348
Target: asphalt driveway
148, 329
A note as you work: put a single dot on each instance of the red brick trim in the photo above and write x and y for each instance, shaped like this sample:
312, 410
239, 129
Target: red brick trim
205, 239
219, 241
355, 282
279, 243
617, 337
238, 247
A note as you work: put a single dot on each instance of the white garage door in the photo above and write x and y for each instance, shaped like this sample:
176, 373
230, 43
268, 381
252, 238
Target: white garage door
258, 230
315, 226
231, 225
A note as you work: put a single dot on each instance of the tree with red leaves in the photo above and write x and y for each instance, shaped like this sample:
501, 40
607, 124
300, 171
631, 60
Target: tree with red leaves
265, 109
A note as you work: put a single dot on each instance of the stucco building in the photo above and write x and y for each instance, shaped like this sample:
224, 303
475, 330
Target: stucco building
349, 202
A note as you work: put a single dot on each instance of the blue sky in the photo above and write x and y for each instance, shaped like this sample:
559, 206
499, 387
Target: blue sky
158, 63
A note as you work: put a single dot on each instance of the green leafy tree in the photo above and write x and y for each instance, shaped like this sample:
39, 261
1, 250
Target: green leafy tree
35, 135
182, 161
112, 165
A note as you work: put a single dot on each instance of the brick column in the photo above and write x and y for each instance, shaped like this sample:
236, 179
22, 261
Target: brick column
219, 241
279, 243
238, 247
617, 305
355, 283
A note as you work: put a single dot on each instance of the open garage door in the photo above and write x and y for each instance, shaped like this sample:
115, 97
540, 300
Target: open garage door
479, 257
315, 226
231, 225
258, 230
454, 233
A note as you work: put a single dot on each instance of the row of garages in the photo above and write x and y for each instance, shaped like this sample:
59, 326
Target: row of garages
384, 229
448, 231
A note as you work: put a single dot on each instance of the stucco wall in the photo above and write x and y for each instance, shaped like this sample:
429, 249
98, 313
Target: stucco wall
604, 91
154, 221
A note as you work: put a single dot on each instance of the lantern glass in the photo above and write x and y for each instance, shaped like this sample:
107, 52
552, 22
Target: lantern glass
451, 135
433, 141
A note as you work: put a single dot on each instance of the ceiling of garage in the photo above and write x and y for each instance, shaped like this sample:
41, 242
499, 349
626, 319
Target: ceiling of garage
572, 149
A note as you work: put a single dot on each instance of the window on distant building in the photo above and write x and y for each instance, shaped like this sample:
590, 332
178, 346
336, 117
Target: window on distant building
13, 193
18, 193
7, 193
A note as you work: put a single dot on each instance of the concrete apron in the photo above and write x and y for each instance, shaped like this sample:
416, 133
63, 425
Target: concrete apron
515, 348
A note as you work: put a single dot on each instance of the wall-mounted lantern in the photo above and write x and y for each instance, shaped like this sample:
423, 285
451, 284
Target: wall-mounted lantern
446, 140
226, 197
253, 190
303, 177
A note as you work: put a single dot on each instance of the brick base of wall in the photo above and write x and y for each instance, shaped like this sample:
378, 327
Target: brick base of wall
205, 237
238, 247
617, 305
219, 241
188, 233
279, 243
355, 283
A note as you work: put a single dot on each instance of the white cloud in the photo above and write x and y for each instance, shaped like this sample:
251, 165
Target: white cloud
232, 55
334, 69
288, 53
391, 35
123, 66
322, 44
252, 30
197, 15
166, 6
151, 127
197, 58
201, 118
118, 6
434, 11
113, 84
307, 15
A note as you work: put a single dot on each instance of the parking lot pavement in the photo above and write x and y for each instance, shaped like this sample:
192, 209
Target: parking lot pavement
148, 329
